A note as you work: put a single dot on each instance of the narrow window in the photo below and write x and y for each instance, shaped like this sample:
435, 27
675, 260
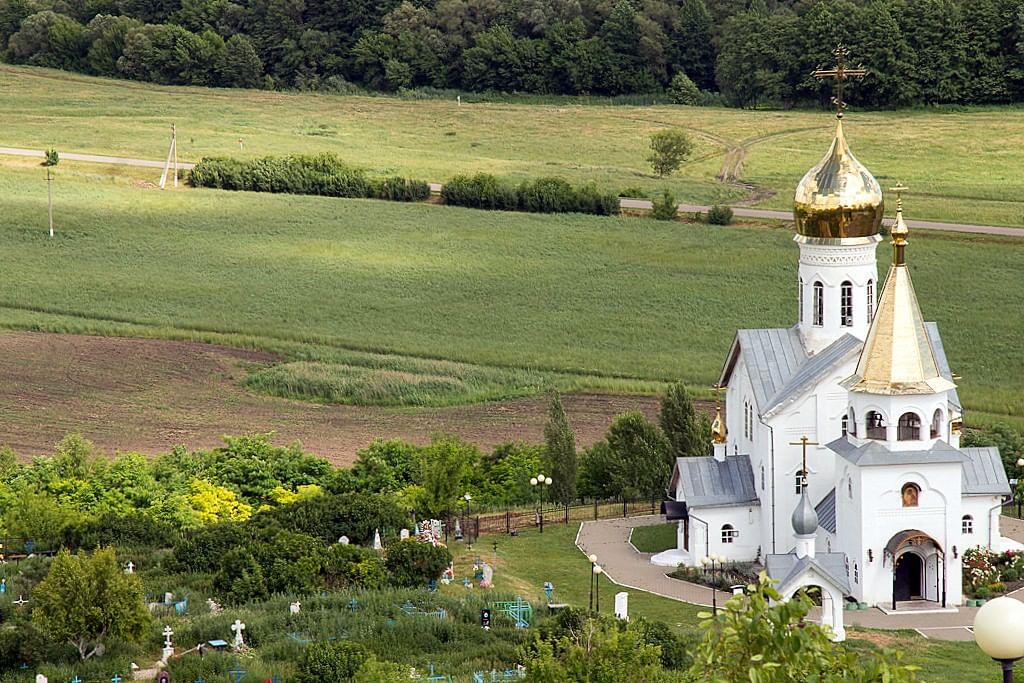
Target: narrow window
967, 524
909, 428
936, 423
819, 304
762, 477
852, 423
800, 301
846, 304
856, 573
875, 425
849, 487
729, 534
871, 300
799, 481
845, 424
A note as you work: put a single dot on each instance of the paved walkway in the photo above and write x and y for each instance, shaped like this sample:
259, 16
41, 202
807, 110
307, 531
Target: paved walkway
609, 540
769, 214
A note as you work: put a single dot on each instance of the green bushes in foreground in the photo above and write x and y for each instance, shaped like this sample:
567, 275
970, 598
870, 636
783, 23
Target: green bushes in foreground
542, 195
317, 174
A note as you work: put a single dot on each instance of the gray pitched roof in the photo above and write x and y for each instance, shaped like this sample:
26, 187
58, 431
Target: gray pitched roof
709, 483
814, 370
875, 453
984, 473
787, 569
940, 360
826, 510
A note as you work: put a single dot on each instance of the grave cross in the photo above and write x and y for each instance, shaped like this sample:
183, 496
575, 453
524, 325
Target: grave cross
116, 678
840, 72
238, 627
805, 443
21, 601
167, 636
76, 679
130, 567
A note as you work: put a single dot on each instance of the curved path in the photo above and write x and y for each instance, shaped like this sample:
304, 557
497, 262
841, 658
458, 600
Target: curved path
625, 566
643, 204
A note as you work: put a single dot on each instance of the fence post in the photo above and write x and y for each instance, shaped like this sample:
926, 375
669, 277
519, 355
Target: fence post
566, 513
476, 536
508, 521
595, 508
624, 515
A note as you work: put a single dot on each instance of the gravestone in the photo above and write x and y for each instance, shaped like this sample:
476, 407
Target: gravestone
403, 534
294, 607
622, 605
214, 606
377, 545
40, 678
168, 598
487, 579
343, 540
164, 677
237, 628
3, 586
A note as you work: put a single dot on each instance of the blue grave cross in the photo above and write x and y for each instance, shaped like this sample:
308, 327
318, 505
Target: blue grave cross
76, 679
116, 678
200, 680
237, 672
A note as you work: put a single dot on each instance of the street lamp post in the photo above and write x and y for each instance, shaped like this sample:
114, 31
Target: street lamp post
597, 588
997, 631
1020, 487
593, 576
467, 498
714, 562
540, 482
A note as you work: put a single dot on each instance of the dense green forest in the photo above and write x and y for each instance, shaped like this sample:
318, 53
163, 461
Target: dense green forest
739, 52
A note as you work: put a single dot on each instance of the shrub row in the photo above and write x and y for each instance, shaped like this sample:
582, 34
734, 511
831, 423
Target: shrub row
319, 174
543, 195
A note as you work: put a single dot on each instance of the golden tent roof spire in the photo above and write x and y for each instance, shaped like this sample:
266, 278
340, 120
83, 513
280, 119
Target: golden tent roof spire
838, 197
898, 357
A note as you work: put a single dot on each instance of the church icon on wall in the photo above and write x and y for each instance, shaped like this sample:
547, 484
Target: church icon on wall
878, 501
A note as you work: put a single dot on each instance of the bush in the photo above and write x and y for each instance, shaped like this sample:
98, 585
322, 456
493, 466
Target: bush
411, 563
542, 195
335, 661
633, 193
52, 158
683, 91
316, 174
665, 207
719, 215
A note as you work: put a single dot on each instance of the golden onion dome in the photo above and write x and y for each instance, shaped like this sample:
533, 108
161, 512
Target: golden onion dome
838, 197
718, 431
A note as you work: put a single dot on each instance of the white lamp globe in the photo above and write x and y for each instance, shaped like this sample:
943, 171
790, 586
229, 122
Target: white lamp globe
999, 628
592, 558
705, 560
533, 481
598, 570
547, 481
540, 477
1020, 462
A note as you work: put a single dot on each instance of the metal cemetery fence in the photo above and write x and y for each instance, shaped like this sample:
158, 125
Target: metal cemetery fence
516, 520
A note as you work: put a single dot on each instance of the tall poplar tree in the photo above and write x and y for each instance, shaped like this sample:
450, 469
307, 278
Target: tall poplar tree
561, 453
688, 432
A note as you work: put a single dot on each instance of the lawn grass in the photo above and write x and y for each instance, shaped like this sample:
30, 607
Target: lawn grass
505, 304
963, 164
654, 538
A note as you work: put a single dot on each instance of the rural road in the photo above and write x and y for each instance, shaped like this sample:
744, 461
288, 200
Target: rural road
625, 203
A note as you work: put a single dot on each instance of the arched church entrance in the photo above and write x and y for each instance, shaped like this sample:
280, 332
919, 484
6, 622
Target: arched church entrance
918, 566
909, 570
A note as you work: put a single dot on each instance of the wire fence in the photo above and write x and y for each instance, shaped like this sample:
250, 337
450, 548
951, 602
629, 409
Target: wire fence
512, 521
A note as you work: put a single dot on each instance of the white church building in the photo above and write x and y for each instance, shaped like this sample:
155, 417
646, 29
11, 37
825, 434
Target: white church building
888, 500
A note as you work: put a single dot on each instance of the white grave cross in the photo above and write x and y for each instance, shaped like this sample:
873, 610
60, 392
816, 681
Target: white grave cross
294, 607
167, 636
129, 568
238, 627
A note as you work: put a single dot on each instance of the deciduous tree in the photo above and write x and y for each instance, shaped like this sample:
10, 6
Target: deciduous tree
669, 149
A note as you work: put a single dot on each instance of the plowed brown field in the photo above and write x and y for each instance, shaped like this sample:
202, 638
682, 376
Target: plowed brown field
150, 395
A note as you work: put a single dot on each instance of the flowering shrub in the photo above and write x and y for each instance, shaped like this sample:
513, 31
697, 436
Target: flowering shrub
979, 567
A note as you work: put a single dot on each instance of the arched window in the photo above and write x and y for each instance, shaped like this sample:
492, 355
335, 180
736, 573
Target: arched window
849, 487
853, 422
800, 301
729, 534
762, 477
909, 428
846, 304
746, 420
856, 573
967, 524
799, 481
871, 300
909, 494
875, 424
936, 423
845, 425
819, 304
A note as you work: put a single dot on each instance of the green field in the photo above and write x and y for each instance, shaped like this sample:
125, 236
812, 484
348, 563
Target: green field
606, 303
963, 165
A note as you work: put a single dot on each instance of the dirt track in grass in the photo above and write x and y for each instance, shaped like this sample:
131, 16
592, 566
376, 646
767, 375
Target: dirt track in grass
150, 395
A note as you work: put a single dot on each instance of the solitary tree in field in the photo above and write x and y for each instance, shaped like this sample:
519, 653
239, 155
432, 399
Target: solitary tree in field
87, 599
669, 149
688, 432
561, 452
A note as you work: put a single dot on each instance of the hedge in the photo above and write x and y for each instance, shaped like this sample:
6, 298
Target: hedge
319, 174
543, 195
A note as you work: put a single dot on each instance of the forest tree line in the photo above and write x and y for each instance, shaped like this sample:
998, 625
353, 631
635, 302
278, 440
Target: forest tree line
740, 52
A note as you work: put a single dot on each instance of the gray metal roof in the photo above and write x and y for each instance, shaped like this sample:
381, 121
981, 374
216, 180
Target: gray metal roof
772, 357
787, 569
826, 510
940, 360
709, 483
875, 453
814, 370
984, 473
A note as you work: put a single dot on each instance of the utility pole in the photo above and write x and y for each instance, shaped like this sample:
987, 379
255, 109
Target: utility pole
172, 156
49, 197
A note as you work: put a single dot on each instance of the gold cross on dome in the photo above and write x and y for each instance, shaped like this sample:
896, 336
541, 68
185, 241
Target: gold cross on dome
840, 72
805, 442
899, 190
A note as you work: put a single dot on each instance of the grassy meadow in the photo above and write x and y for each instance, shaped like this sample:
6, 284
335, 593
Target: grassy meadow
467, 304
962, 164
